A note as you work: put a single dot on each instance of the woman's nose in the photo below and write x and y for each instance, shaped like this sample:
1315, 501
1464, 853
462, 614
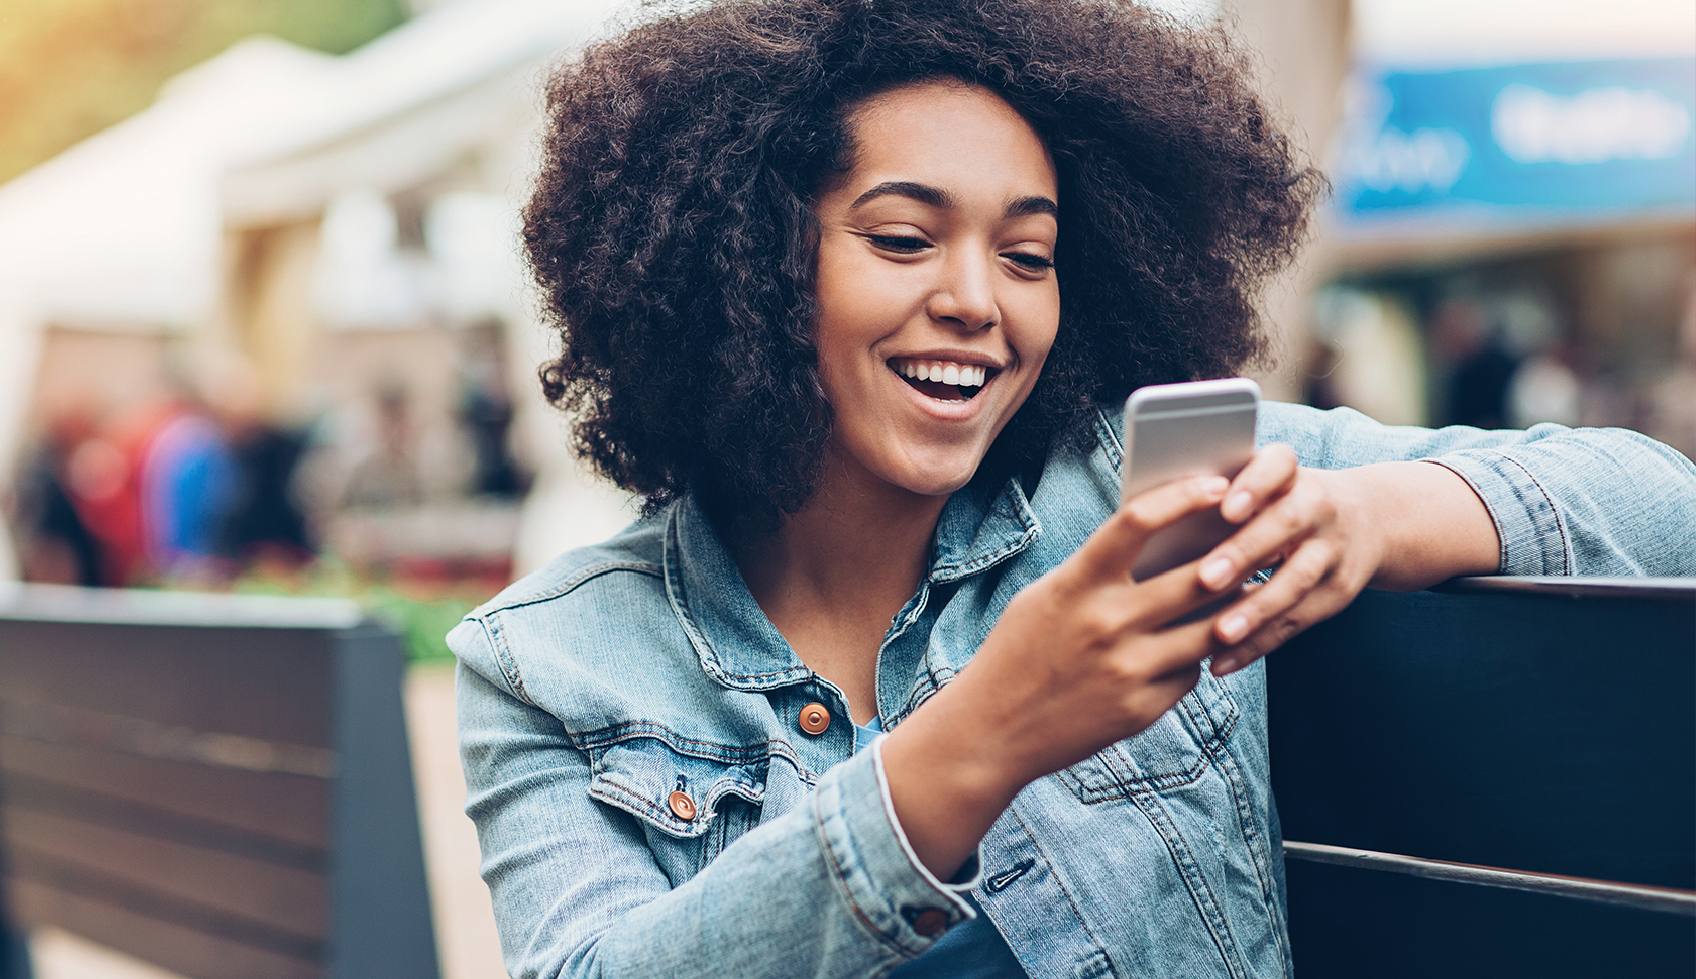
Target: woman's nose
965, 292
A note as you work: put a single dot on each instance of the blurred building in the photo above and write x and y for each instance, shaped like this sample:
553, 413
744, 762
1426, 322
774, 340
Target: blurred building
371, 269
326, 244
1513, 234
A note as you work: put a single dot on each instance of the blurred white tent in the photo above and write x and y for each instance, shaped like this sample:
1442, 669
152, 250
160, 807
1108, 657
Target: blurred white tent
133, 228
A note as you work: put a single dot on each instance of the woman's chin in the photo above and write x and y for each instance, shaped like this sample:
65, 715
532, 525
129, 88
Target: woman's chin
915, 467
941, 482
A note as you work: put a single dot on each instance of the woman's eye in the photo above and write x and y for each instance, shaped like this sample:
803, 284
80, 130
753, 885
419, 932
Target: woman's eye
1033, 263
902, 244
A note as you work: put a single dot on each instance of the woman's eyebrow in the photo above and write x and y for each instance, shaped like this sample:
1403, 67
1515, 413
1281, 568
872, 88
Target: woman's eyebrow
923, 193
1026, 206
942, 200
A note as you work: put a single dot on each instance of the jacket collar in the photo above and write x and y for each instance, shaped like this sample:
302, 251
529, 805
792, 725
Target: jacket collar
738, 645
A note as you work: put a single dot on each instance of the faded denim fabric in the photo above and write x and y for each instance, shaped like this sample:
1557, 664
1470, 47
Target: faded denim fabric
595, 687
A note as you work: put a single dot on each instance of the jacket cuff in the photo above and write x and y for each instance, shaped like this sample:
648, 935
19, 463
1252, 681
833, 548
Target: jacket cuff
1533, 541
882, 881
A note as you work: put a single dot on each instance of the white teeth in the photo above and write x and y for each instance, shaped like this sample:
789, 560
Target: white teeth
963, 375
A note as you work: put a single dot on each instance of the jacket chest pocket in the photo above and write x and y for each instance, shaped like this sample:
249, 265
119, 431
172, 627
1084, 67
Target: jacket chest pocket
1175, 750
690, 807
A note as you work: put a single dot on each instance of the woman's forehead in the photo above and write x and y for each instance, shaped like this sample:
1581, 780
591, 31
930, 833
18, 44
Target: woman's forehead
949, 134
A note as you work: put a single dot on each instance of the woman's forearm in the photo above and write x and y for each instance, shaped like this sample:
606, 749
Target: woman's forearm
1434, 526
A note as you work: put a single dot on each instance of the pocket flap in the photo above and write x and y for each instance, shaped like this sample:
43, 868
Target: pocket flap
1173, 751
640, 775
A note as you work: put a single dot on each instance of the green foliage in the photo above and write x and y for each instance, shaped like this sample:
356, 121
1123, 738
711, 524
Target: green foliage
424, 624
70, 68
422, 618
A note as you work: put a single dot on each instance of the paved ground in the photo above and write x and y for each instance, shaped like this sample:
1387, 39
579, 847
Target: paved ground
465, 929
465, 925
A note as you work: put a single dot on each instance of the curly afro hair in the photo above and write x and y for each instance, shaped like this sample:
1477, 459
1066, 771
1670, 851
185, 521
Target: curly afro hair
672, 233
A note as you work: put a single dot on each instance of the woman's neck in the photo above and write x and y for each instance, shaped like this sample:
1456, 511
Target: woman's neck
832, 576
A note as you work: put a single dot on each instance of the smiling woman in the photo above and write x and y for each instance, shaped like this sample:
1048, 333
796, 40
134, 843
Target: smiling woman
852, 290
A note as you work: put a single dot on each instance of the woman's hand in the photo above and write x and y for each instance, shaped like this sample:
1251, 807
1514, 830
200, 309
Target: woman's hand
1086, 656
1081, 658
1396, 525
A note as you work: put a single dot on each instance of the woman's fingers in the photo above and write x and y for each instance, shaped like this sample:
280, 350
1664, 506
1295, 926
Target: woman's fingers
1113, 548
1303, 591
1266, 476
1306, 569
1181, 648
1273, 532
1172, 595
1153, 671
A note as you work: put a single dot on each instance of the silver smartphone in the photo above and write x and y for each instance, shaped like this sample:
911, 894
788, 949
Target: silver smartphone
1201, 428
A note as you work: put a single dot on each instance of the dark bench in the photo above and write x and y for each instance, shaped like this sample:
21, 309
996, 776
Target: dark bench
218, 785
1496, 778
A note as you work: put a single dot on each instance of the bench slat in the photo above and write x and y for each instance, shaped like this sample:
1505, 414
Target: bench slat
284, 898
291, 809
189, 951
267, 684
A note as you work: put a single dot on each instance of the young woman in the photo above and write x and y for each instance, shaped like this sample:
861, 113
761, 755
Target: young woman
852, 292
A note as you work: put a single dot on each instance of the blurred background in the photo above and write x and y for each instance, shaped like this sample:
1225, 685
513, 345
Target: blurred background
264, 328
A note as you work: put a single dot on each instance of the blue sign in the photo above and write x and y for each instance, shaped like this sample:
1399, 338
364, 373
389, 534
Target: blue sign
1529, 144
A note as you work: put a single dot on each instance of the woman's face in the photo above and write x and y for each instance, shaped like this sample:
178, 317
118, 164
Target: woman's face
937, 299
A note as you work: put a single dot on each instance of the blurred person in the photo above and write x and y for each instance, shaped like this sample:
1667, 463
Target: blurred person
188, 483
263, 524
485, 412
1479, 371
853, 294
103, 476
55, 546
1672, 398
387, 476
153, 486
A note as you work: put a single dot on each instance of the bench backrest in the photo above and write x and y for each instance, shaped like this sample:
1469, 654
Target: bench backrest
1545, 727
218, 785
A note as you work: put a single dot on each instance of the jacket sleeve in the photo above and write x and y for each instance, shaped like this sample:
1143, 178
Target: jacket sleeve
830, 888
1565, 501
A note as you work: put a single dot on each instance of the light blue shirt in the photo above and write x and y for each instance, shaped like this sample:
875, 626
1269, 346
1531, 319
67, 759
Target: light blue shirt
595, 687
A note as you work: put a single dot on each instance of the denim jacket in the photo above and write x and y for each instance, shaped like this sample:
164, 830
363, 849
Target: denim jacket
649, 803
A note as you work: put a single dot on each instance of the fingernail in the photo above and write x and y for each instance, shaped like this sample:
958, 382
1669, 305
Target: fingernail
1224, 664
1237, 503
1214, 484
1233, 626
1216, 572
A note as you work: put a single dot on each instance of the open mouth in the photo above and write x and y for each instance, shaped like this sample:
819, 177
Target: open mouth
944, 381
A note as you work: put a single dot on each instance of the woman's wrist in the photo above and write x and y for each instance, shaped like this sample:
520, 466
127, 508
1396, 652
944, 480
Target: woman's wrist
947, 782
1433, 525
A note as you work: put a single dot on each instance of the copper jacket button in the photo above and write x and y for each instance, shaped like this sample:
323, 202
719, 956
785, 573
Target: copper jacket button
930, 923
815, 719
682, 806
